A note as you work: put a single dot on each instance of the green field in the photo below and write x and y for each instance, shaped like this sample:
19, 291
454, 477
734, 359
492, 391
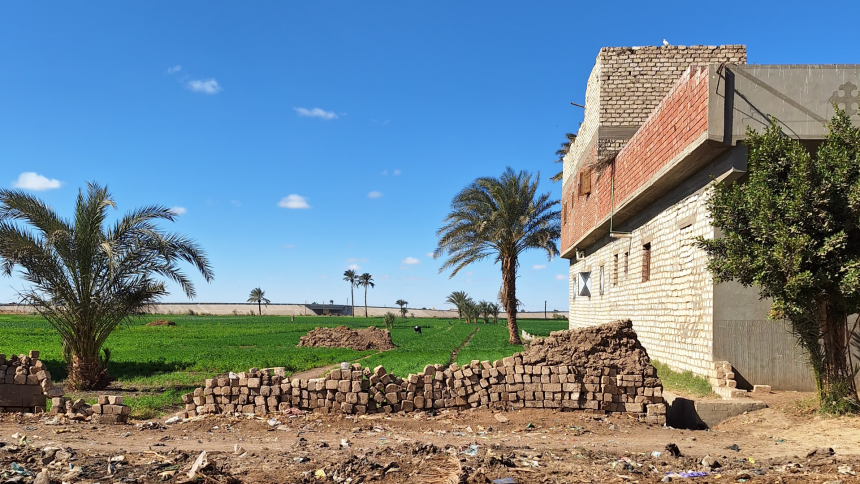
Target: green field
164, 361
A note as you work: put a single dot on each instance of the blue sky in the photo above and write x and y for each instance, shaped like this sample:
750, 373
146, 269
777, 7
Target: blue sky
370, 115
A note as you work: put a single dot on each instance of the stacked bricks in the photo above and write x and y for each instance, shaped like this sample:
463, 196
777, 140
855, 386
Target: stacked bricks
724, 383
501, 384
24, 383
110, 409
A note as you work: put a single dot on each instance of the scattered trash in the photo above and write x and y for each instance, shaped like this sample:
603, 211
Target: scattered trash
505, 480
673, 450
344, 443
320, 474
238, 449
779, 441
301, 460
530, 426
172, 420
201, 463
846, 469
687, 475
472, 451
273, 422
20, 470
734, 447
710, 462
656, 454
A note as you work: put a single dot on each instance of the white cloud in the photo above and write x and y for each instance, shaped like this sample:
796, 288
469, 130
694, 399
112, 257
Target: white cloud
410, 261
396, 172
209, 86
560, 277
293, 201
429, 254
236, 203
538, 267
316, 113
179, 210
374, 194
30, 180
354, 267
174, 69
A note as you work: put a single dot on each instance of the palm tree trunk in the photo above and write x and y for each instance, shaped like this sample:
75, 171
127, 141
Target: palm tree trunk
509, 283
365, 301
260, 308
352, 297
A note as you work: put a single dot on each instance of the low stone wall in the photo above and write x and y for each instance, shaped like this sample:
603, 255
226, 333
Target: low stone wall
502, 384
25, 383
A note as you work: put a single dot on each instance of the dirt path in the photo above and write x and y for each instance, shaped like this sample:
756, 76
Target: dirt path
462, 345
531, 445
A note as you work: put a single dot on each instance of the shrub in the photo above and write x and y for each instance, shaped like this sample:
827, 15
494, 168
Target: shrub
388, 319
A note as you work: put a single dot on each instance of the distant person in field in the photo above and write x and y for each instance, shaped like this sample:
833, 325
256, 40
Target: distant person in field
417, 329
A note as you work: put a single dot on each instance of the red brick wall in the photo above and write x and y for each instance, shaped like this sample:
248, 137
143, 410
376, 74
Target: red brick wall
677, 121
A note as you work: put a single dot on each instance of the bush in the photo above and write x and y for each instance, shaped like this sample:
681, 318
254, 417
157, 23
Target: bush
558, 316
388, 319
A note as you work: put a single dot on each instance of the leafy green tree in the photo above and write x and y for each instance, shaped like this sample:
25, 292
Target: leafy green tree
458, 299
365, 280
561, 153
500, 217
85, 277
258, 296
388, 318
402, 304
351, 277
793, 230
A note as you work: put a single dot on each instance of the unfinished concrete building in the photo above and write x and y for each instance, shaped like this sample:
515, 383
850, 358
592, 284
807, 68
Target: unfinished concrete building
661, 123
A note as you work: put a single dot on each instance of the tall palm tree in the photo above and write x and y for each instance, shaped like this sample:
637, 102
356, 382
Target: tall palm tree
259, 296
500, 217
494, 311
351, 277
365, 280
458, 299
86, 277
485, 311
402, 303
561, 153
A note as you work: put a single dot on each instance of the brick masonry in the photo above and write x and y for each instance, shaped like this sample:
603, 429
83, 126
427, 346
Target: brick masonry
25, 383
502, 384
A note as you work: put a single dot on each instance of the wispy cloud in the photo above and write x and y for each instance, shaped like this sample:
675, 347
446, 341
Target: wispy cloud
174, 69
538, 267
207, 86
316, 113
354, 267
429, 254
293, 201
235, 203
374, 194
30, 180
179, 210
410, 261
560, 277
395, 172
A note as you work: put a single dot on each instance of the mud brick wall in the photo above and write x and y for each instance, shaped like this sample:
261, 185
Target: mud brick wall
24, 383
502, 384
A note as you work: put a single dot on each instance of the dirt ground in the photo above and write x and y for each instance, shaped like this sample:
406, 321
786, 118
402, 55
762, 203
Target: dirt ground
527, 446
342, 337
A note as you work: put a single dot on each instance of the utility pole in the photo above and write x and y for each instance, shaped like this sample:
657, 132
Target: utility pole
544, 309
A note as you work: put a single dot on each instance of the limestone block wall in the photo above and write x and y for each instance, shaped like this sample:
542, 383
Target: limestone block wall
25, 383
501, 384
672, 312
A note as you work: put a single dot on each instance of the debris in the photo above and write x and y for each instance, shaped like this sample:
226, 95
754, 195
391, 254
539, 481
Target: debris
273, 422
505, 480
710, 462
20, 470
172, 420
846, 469
502, 419
472, 451
320, 474
344, 443
201, 463
734, 447
238, 449
673, 450
656, 454
815, 454
43, 477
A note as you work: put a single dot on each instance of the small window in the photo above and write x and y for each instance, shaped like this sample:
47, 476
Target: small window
626, 262
584, 284
564, 213
601, 280
585, 181
646, 262
615, 270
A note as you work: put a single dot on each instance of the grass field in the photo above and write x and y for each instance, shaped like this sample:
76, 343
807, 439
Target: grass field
165, 361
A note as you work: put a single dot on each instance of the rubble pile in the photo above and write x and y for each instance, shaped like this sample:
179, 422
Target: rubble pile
25, 383
342, 337
599, 370
109, 409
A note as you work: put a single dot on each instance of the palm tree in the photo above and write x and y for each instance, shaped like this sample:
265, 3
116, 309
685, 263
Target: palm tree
402, 304
561, 153
494, 310
457, 299
351, 277
484, 309
85, 277
258, 296
365, 280
472, 311
500, 217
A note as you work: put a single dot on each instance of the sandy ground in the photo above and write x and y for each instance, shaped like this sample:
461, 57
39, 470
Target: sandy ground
527, 446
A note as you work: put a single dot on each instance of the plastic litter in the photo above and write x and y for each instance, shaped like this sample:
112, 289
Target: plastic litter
734, 447
472, 451
505, 480
656, 454
687, 475
20, 470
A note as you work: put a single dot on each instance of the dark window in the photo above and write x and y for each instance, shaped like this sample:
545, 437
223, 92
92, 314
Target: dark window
615, 271
646, 262
585, 181
626, 262
601, 280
